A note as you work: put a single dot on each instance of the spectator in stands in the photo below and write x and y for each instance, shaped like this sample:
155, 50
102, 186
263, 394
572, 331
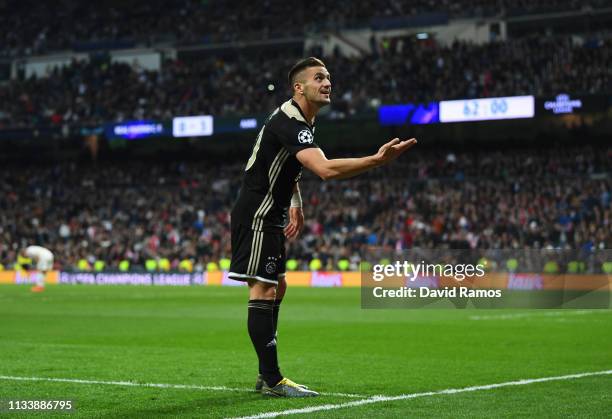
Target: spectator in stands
524, 199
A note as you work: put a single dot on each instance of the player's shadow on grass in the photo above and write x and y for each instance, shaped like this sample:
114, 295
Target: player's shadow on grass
202, 407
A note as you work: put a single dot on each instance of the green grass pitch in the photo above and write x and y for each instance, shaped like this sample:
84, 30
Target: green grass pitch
196, 336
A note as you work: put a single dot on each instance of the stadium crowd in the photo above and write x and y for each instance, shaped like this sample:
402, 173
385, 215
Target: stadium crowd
25, 27
92, 93
527, 199
114, 213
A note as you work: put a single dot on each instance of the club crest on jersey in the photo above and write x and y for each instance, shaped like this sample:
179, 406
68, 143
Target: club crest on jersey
270, 267
305, 137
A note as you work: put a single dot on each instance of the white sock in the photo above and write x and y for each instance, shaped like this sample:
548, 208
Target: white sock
40, 279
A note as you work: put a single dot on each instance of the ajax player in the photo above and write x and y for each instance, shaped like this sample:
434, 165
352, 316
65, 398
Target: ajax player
269, 192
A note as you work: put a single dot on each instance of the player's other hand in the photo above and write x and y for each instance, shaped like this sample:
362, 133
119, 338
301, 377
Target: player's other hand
296, 223
391, 150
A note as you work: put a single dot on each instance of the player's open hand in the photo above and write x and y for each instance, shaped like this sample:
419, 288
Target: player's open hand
296, 223
391, 150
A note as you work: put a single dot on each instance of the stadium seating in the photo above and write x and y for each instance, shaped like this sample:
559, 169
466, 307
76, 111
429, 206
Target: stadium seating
92, 93
117, 216
116, 212
25, 28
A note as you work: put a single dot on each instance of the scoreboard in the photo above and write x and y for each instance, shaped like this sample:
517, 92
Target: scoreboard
466, 110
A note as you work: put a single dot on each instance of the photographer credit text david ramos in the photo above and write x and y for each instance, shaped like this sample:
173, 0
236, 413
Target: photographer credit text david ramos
424, 292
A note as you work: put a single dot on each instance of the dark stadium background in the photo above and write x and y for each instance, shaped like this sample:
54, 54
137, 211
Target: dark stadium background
74, 75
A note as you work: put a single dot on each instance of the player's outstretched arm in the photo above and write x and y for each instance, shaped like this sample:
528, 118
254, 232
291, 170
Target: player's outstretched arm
314, 159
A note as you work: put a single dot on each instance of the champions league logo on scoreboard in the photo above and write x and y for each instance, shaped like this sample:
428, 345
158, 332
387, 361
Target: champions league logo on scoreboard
562, 104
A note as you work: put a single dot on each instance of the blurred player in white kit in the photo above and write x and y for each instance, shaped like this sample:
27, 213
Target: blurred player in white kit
42, 260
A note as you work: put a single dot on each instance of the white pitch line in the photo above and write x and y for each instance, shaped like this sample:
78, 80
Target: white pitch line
155, 385
377, 399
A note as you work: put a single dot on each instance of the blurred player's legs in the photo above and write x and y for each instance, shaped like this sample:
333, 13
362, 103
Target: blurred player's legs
39, 287
42, 259
44, 263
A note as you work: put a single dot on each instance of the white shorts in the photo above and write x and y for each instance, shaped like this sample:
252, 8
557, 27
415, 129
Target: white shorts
44, 263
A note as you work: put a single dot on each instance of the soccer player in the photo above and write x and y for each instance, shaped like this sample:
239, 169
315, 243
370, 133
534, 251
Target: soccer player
269, 191
42, 260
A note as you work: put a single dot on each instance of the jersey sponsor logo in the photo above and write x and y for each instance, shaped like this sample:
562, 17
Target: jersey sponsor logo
305, 137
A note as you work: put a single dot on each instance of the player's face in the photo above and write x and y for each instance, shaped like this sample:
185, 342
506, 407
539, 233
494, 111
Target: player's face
317, 85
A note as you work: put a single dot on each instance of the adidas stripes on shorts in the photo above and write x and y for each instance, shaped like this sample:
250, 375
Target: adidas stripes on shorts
257, 255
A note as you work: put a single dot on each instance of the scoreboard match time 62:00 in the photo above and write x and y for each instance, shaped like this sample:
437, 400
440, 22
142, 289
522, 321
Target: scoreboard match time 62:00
487, 109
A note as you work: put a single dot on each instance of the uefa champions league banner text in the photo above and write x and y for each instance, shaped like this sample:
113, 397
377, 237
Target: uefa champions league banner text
417, 278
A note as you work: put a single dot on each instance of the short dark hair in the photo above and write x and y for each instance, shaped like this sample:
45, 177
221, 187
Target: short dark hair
301, 65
